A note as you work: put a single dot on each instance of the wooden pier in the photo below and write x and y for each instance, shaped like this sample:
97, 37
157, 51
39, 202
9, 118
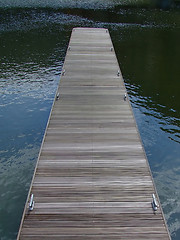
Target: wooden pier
92, 179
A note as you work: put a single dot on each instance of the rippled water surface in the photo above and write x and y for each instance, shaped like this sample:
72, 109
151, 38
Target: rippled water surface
32, 51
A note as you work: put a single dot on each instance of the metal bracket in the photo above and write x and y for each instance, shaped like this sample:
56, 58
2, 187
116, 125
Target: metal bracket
31, 203
57, 96
154, 203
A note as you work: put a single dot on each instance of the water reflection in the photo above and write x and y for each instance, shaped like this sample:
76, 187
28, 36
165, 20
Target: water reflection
160, 134
164, 4
166, 118
148, 60
14, 183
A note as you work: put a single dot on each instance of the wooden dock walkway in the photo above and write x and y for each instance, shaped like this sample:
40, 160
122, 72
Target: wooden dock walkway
92, 179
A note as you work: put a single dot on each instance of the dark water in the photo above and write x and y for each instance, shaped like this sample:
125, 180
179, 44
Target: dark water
32, 51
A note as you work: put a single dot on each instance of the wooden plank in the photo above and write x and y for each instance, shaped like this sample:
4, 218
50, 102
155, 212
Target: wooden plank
92, 179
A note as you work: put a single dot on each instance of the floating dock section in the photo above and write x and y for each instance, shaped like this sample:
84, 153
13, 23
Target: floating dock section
92, 179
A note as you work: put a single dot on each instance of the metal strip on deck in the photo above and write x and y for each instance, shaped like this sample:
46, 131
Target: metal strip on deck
92, 179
